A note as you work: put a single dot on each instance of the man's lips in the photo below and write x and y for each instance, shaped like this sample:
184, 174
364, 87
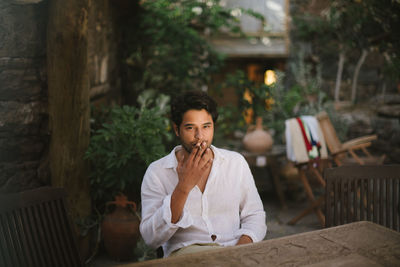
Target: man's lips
199, 143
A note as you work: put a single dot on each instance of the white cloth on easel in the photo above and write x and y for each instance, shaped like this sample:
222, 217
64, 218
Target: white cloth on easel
296, 150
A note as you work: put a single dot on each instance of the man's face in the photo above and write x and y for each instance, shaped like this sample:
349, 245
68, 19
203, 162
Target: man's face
197, 126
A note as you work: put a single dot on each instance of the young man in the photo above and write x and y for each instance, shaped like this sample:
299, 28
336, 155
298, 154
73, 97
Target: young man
199, 197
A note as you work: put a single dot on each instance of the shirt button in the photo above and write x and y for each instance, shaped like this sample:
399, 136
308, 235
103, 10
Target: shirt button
213, 237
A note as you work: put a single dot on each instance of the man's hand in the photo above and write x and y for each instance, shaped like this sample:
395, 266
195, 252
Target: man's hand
244, 239
194, 168
190, 172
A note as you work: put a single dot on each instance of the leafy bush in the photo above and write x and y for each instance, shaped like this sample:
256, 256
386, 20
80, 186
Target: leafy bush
230, 124
252, 96
169, 49
122, 148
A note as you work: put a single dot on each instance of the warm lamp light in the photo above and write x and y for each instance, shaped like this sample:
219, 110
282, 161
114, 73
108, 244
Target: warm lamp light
269, 77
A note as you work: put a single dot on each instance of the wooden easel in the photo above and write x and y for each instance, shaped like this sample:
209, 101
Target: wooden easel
315, 167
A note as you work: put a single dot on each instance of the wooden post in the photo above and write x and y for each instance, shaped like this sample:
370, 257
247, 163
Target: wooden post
69, 103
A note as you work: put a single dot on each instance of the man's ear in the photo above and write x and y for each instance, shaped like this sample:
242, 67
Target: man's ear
176, 129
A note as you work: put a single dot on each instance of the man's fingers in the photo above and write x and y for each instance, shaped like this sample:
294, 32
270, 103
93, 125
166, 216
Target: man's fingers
206, 158
181, 159
207, 153
207, 164
199, 153
193, 153
204, 148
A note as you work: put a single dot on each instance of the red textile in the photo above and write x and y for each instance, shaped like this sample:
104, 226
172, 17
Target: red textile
303, 132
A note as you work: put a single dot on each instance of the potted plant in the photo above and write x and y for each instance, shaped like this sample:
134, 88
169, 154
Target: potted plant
119, 152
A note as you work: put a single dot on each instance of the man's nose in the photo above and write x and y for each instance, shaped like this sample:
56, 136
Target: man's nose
199, 134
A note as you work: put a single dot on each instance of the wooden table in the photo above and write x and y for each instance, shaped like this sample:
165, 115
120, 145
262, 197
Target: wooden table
269, 160
355, 244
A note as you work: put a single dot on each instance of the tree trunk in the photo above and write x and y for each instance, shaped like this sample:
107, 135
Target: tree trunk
69, 106
384, 86
342, 58
356, 74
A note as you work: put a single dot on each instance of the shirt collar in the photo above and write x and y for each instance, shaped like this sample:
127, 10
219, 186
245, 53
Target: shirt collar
172, 162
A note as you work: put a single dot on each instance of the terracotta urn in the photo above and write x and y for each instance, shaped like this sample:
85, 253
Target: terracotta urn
120, 228
257, 140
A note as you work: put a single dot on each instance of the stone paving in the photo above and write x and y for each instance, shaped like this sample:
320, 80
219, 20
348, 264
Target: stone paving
277, 218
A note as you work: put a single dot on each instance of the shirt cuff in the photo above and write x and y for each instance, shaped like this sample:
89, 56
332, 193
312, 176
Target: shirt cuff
249, 233
184, 222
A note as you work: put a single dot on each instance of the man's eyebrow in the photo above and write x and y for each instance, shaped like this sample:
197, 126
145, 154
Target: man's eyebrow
193, 124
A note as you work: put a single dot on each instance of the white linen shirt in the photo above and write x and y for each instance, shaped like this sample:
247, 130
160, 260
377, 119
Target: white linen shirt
229, 207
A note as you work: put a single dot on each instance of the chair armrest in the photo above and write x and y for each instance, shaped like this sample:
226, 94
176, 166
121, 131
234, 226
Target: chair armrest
352, 147
359, 141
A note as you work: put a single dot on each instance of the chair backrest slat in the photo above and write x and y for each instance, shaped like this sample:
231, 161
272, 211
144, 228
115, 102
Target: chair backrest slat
357, 193
396, 184
32, 255
389, 193
376, 200
36, 244
19, 238
37, 230
9, 246
60, 246
69, 247
52, 233
329, 132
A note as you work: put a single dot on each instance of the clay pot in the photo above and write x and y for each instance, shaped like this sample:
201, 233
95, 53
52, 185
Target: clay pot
257, 140
120, 228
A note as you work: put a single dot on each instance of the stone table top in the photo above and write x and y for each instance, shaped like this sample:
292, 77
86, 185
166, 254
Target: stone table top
354, 244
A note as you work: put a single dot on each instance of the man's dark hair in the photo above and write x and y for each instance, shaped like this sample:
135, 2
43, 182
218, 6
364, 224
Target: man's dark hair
192, 100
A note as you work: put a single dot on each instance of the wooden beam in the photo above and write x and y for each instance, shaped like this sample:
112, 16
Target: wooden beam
69, 106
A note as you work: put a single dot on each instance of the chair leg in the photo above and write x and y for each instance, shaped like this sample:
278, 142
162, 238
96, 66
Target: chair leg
315, 204
366, 152
319, 177
337, 161
313, 208
354, 155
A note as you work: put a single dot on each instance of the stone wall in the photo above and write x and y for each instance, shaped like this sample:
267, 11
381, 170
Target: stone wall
23, 102
24, 134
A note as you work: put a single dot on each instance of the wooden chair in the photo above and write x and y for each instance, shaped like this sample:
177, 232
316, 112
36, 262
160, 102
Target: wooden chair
340, 152
35, 229
358, 193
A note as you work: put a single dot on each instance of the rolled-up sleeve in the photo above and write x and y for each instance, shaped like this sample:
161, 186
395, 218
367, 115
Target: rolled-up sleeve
156, 227
252, 214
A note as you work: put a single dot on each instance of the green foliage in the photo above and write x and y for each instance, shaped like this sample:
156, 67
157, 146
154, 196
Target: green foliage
169, 50
251, 94
357, 24
309, 26
230, 120
306, 76
284, 107
121, 149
